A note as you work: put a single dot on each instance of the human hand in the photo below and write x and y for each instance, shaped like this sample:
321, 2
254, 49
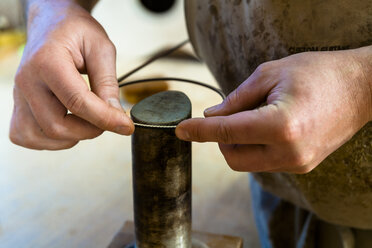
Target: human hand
63, 41
315, 103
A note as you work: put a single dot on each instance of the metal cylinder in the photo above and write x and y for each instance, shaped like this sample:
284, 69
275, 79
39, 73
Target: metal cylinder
161, 170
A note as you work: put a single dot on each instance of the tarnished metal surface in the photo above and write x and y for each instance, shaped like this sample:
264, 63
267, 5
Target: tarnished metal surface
161, 173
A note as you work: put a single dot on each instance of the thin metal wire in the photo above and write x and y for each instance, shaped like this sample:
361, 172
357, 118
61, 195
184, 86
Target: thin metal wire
153, 126
156, 57
183, 80
218, 91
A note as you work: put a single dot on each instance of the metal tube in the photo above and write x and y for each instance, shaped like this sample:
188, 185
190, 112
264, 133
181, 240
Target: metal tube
161, 173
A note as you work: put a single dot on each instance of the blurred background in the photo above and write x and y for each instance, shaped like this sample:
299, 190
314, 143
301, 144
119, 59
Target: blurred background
82, 196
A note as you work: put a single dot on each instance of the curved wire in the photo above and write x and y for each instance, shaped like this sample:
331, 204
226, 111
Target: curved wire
184, 80
156, 57
218, 91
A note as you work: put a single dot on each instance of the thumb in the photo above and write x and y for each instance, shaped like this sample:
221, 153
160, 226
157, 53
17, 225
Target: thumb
249, 95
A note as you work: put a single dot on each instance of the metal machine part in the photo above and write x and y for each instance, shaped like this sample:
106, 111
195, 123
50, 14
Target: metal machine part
162, 180
161, 173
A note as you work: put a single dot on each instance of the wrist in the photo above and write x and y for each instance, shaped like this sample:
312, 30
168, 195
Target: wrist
44, 16
35, 8
44, 10
364, 57
355, 71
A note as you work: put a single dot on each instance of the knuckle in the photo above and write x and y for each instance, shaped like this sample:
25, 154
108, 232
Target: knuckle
108, 82
228, 100
223, 132
76, 103
304, 170
109, 47
19, 137
20, 78
40, 59
94, 134
232, 98
291, 130
24, 139
231, 160
34, 64
197, 134
263, 68
235, 167
14, 137
53, 131
106, 121
67, 145
301, 159
226, 152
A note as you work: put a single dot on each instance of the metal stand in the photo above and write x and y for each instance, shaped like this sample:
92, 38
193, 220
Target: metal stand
161, 173
162, 180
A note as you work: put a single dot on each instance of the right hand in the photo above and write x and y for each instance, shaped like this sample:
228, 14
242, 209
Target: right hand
63, 41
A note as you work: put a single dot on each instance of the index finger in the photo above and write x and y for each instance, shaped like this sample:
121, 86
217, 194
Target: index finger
257, 126
70, 88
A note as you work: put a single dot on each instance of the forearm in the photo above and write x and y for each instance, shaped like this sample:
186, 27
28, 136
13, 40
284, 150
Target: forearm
31, 7
42, 15
86, 4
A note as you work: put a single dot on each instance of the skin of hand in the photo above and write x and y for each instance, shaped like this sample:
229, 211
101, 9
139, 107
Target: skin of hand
315, 102
63, 41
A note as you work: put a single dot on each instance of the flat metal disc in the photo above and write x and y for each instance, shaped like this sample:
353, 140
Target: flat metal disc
165, 108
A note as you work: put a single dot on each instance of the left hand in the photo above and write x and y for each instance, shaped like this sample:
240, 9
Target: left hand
315, 103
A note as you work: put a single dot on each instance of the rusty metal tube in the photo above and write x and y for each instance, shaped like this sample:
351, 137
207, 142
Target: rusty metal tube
161, 170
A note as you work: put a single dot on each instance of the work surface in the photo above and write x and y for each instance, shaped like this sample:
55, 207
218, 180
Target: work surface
82, 196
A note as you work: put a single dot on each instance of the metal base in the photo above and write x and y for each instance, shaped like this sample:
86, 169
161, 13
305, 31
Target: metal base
195, 244
125, 239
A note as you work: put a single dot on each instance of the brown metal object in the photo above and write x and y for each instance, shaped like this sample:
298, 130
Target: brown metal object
161, 173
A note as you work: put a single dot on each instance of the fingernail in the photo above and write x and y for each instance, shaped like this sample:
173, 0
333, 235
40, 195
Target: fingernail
211, 110
182, 134
115, 103
122, 130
